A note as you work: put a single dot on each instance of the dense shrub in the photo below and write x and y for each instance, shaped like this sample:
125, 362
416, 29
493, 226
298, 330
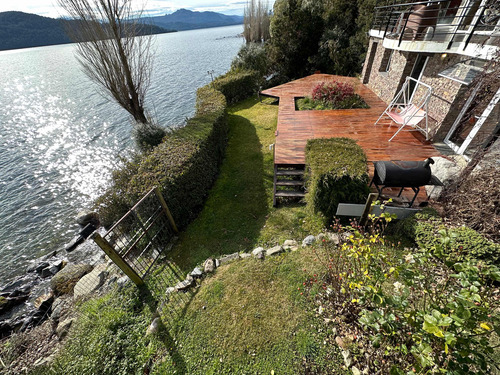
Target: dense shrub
184, 166
251, 56
333, 95
336, 173
466, 244
333, 92
237, 85
148, 135
412, 313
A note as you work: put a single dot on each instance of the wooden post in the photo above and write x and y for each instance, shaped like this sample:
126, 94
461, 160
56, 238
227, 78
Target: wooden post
368, 208
166, 210
117, 259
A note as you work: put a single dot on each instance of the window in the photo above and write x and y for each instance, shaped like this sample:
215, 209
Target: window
386, 61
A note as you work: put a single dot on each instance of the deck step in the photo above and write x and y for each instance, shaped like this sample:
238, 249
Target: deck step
290, 183
290, 172
290, 194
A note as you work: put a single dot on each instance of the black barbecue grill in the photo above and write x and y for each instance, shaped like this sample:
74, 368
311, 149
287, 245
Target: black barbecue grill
404, 174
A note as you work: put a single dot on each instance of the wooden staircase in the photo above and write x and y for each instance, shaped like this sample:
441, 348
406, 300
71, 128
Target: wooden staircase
288, 182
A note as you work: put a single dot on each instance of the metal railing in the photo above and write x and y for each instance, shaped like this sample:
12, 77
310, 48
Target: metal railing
136, 241
439, 21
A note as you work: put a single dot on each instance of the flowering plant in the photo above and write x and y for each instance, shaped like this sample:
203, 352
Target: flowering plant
413, 312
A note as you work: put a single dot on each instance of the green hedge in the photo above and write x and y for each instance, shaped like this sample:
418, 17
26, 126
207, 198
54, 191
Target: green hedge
336, 173
237, 85
184, 165
467, 244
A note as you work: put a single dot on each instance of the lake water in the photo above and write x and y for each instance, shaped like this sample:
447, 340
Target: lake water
60, 138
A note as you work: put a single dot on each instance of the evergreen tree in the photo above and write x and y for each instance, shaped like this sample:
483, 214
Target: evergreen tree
295, 35
325, 35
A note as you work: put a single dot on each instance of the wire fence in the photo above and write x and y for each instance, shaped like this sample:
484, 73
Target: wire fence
135, 249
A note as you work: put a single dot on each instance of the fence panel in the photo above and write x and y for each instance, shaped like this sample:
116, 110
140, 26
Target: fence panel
136, 241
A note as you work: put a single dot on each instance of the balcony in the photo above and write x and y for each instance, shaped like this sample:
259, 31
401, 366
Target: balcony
466, 27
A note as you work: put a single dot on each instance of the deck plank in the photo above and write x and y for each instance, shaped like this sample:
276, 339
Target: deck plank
296, 127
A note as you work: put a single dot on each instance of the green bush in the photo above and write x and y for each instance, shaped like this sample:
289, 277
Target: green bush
237, 85
148, 135
336, 173
251, 56
416, 315
466, 243
184, 165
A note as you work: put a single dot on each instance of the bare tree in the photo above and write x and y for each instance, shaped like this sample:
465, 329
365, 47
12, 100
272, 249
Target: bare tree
256, 21
110, 52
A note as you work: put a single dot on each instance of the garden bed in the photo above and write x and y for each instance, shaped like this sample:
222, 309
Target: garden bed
331, 96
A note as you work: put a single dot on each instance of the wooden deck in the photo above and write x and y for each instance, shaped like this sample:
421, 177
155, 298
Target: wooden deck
296, 127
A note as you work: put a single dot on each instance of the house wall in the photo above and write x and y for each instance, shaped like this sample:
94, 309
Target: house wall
386, 84
448, 96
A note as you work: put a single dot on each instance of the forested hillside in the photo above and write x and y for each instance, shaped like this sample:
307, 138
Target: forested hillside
23, 30
184, 19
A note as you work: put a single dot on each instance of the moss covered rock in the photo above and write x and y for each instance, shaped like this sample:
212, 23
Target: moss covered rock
64, 281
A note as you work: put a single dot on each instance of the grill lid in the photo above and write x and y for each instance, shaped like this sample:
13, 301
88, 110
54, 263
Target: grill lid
403, 173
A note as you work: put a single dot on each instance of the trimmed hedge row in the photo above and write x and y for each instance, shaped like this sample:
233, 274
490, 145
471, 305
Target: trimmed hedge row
237, 85
466, 244
184, 165
336, 173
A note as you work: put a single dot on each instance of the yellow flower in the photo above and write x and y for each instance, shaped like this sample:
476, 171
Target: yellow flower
486, 326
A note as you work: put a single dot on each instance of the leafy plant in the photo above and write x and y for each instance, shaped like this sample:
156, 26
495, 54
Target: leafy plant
418, 315
333, 92
426, 230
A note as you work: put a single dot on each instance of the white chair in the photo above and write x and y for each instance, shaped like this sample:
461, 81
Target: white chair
410, 106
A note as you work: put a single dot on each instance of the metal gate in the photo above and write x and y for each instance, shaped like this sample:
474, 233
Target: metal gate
136, 241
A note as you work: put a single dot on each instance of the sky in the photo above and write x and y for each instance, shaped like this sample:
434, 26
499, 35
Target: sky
49, 8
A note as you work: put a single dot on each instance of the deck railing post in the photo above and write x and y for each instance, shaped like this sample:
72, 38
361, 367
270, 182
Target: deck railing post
117, 259
166, 210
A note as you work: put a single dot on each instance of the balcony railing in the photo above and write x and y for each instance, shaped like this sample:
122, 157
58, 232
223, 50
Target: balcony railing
448, 22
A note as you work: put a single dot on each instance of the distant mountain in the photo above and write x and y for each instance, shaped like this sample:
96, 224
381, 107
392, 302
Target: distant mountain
184, 19
23, 30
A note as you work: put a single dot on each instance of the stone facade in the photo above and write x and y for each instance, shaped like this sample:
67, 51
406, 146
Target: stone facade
448, 96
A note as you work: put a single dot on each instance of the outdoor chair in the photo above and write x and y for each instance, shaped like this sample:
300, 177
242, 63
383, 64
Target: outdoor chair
410, 107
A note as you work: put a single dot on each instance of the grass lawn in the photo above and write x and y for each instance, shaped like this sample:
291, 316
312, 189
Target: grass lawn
263, 316
250, 318
247, 318
238, 215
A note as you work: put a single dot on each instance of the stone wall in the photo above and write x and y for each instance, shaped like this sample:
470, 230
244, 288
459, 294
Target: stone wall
386, 84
